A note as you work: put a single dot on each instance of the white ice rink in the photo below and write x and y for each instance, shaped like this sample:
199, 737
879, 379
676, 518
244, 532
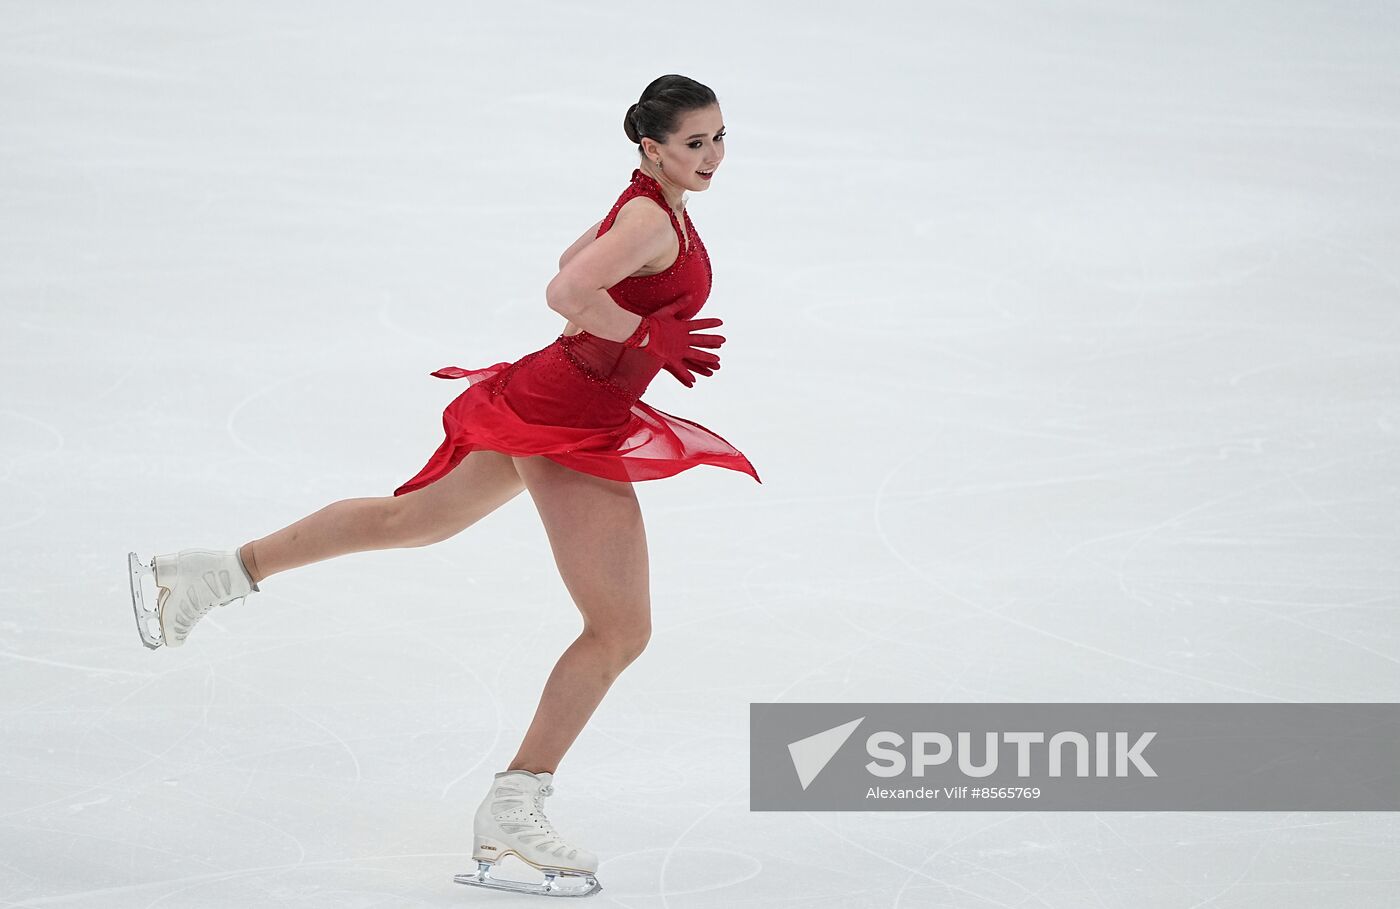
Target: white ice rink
1064, 336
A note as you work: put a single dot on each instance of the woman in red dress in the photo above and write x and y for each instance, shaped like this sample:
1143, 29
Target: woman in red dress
566, 423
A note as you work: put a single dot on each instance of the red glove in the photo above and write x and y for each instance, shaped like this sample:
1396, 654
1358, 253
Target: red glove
671, 338
688, 312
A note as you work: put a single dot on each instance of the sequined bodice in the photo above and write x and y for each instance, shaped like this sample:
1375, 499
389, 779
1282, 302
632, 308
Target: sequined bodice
689, 274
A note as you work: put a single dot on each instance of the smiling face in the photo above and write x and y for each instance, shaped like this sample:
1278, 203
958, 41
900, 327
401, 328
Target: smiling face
696, 145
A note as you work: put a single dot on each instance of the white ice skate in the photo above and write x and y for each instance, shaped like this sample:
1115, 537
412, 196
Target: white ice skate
191, 583
511, 821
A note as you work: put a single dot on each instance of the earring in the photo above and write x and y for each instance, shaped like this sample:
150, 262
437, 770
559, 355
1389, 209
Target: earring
659, 165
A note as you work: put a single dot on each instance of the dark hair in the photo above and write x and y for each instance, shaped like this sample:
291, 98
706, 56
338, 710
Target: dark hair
663, 103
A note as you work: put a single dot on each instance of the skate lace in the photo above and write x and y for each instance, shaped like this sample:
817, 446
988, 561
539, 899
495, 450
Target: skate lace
190, 613
548, 835
541, 829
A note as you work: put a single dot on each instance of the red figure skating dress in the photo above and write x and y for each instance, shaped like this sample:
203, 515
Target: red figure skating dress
578, 401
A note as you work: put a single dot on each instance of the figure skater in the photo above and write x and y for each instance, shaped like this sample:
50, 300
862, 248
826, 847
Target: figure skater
565, 423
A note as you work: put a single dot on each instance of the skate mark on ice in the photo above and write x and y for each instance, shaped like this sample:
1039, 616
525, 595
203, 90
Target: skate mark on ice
246, 686
253, 396
61, 665
487, 752
231, 875
1141, 533
382, 313
918, 870
733, 796
111, 782
723, 859
1175, 521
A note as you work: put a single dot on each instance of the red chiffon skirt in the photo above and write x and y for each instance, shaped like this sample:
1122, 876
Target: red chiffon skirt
578, 403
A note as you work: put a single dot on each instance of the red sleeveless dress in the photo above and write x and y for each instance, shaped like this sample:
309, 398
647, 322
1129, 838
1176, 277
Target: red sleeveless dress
578, 400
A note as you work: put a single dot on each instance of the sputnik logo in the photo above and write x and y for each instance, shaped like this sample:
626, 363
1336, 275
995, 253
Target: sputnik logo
811, 755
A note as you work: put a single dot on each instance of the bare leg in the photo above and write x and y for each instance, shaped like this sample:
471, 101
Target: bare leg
595, 530
480, 484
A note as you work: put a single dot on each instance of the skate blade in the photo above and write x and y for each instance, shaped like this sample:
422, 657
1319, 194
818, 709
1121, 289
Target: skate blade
549, 887
147, 615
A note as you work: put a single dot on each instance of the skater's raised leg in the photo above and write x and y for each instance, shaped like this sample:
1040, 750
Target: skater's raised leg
194, 581
599, 542
481, 483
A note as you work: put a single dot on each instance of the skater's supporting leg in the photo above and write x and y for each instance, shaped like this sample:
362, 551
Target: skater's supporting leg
480, 484
595, 531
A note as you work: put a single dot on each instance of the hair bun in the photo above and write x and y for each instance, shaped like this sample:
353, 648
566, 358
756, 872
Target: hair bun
629, 124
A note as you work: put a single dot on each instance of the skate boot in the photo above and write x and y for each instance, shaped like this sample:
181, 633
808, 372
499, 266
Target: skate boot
191, 583
511, 821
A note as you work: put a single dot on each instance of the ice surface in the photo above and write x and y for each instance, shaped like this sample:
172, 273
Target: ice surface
1064, 337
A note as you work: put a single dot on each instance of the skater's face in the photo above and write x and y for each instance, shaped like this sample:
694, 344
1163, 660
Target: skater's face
696, 145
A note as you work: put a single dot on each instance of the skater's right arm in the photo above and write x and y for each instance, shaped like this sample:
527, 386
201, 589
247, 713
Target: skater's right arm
587, 238
640, 234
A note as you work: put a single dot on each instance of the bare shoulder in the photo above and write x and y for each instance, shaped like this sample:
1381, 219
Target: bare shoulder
648, 224
646, 212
